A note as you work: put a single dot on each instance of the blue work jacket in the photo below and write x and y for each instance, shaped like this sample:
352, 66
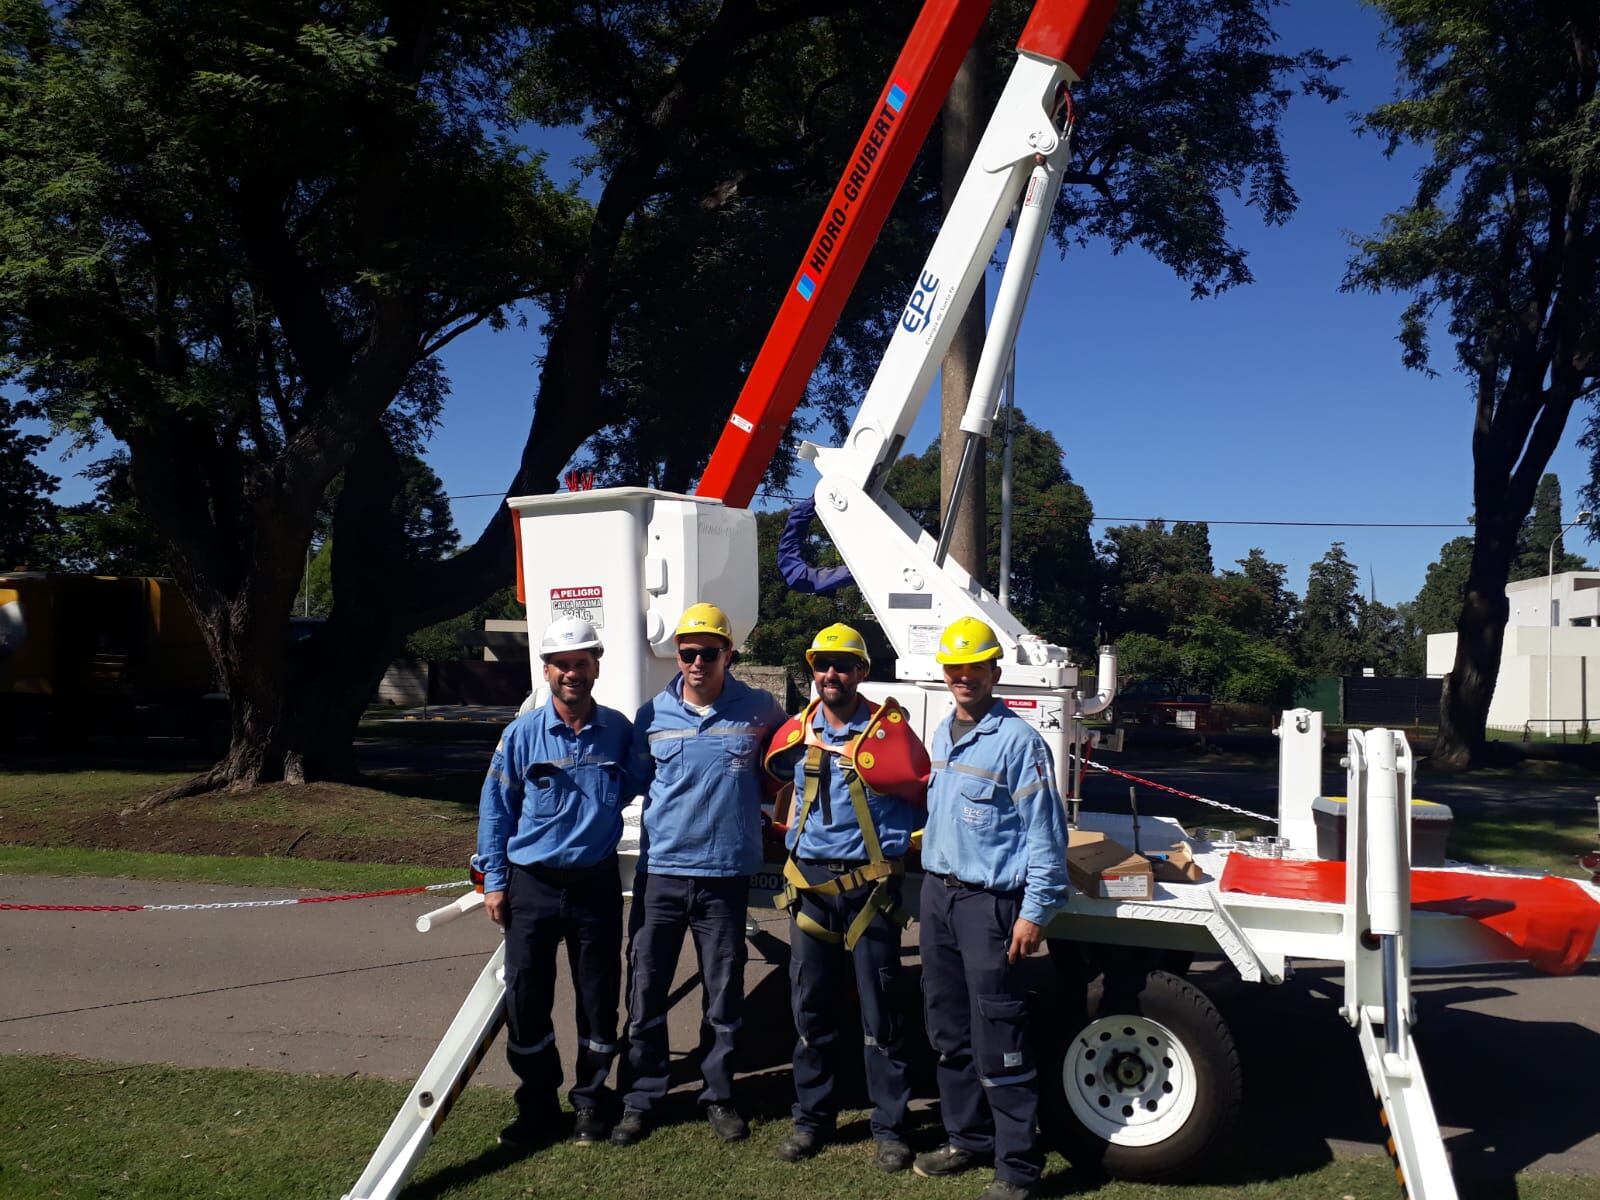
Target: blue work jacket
702, 780
832, 831
554, 797
994, 815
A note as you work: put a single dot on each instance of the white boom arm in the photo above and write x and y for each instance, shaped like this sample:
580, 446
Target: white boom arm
902, 571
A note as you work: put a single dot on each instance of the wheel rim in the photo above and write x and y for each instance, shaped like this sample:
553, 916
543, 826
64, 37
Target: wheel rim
1129, 1080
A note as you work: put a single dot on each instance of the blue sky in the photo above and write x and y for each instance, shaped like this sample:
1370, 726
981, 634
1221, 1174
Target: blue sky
1281, 401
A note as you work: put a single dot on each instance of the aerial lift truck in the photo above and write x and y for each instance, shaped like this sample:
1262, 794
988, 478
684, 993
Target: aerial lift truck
1144, 1076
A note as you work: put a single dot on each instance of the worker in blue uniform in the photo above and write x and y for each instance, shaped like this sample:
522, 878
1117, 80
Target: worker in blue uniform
697, 747
995, 855
860, 784
549, 820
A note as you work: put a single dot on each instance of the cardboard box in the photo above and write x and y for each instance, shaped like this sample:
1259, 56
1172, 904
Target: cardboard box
1101, 867
1178, 866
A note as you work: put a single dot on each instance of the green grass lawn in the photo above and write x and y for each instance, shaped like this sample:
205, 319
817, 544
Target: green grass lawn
234, 870
402, 830
76, 1129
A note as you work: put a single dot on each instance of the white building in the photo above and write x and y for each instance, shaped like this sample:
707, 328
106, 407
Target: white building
1562, 615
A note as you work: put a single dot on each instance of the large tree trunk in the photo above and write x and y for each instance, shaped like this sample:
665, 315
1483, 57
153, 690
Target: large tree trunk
335, 672
245, 629
1480, 634
969, 541
392, 600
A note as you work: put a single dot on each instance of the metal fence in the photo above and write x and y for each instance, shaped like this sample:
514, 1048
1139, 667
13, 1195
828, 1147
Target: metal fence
1393, 701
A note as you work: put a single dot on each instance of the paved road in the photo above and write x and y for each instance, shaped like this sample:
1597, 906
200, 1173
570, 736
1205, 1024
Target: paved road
1256, 788
350, 988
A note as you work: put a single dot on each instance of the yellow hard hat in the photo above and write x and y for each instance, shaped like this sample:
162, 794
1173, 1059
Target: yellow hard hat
704, 618
968, 640
838, 639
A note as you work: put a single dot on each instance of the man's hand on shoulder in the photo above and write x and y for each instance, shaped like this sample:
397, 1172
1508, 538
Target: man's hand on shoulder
494, 903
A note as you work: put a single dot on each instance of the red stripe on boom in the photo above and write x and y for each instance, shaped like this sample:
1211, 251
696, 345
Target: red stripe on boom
838, 249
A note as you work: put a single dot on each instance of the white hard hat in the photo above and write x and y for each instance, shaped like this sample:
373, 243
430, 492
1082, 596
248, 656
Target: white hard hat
570, 633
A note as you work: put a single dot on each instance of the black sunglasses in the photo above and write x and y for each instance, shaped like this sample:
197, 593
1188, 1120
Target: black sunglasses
842, 663
710, 654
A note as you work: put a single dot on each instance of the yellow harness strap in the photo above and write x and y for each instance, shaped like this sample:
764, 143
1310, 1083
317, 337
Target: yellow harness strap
878, 870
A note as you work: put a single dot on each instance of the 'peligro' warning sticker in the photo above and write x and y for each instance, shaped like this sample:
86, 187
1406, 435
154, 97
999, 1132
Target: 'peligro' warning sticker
585, 603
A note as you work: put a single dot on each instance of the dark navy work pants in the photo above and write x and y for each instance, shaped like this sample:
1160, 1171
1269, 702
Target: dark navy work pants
665, 907
820, 974
584, 909
977, 1023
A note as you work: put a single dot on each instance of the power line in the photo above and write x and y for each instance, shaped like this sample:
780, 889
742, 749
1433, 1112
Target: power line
768, 494
1299, 524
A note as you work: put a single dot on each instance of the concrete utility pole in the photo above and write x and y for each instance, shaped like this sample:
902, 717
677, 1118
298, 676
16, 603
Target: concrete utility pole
962, 127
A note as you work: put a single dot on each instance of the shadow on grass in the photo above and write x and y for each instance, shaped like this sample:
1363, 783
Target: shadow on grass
451, 787
488, 1162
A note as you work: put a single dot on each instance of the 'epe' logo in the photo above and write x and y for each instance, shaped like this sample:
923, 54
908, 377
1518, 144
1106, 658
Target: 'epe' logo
920, 306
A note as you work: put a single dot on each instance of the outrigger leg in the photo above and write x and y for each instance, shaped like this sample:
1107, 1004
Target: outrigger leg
465, 1043
1377, 976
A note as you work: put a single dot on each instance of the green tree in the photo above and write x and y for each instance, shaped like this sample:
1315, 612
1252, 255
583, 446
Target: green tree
1054, 575
1542, 526
422, 512
241, 248
454, 637
790, 619
1182, 623
107, 535
1438, 604
1267, 582
25, 490
1502, 237
1380, 637
235, 238
1230, 664
1327, 637
1156, 578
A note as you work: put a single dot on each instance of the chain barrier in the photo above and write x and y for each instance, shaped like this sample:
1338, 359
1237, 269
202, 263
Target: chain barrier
1162, 787
234, 904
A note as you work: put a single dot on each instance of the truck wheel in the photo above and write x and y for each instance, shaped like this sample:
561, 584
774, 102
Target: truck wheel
1148, 1086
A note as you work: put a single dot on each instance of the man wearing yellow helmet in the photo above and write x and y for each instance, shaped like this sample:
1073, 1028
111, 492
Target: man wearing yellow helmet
860, 778
995, 854
697, 746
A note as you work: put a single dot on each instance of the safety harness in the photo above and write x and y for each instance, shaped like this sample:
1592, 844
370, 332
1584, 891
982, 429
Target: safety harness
887, 724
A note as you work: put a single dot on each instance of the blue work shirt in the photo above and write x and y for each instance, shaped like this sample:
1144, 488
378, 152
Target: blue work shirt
994, 815
702, 780
554, 797
832, 831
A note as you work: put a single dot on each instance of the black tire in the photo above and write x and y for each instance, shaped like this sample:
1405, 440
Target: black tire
1171, 1115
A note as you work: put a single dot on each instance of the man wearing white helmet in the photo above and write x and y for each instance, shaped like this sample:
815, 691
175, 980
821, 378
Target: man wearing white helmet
550, 818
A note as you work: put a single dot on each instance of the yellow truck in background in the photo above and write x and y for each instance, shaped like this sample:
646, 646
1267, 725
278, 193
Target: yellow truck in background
82, 655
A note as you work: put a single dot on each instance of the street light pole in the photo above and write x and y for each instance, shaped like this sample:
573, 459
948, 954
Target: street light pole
1549, 610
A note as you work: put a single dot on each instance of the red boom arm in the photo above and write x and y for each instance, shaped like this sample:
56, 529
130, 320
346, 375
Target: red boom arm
850, 225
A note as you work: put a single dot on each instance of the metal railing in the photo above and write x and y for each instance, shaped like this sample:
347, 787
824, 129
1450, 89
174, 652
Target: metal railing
1580, 726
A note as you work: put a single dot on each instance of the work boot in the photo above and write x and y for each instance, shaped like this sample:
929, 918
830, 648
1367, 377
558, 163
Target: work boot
634, 1125
1001, 1190
528, 1133
892, 1155
802, 1143
944, 1162
590, 1129
726, 1122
